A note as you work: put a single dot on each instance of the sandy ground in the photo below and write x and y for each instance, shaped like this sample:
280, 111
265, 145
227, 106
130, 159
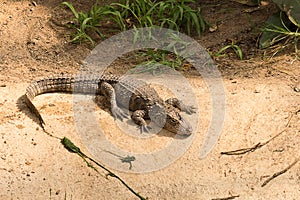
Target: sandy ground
261, 102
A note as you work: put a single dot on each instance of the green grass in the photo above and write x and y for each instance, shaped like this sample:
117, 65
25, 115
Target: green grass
156, 60
178, 15
173, 54
284, 35
173, 14
279, 33
86, 22
237, 50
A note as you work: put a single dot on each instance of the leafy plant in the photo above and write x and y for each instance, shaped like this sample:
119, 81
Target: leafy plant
157, 60
135, 12
232, 46
87, 21
282, 26
291, 8
182, 15
172, 14
172, 55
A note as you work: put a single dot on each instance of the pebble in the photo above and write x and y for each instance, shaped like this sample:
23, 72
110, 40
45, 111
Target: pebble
297, 87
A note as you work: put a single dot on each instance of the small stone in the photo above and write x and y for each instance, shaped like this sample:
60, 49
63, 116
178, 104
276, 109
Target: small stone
20, 126
213, 28
33, 3
27, 163
297, 88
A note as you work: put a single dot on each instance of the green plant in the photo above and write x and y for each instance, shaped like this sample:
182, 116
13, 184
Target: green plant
136, 12
282, 27
71, 147
156, 60
172, 14
279, 29
179, 14
173, 53
87, 21
232, 46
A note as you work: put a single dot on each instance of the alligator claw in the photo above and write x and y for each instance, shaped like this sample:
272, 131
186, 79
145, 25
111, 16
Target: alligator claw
144, 129
190, 109
119, 113
181, 106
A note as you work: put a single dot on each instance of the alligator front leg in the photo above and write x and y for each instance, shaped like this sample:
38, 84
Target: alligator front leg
109, 92
138, 118
181, 106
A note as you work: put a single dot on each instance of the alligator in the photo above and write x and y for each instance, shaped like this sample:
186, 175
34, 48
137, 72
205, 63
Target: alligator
119, 91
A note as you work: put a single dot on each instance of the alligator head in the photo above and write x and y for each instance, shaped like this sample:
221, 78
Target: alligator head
168, 117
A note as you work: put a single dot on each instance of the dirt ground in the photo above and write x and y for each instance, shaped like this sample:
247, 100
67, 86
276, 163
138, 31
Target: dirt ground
261, 103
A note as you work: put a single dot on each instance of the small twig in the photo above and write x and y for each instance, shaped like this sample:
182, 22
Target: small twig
51, 135
279, 173
110, 173
242, 151
74, 149
258, 145
227, 198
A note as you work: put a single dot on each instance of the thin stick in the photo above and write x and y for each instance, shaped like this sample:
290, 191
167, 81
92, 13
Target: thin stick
227, 198
258, 145
279, 173
242, 151
74, 149
70, 146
